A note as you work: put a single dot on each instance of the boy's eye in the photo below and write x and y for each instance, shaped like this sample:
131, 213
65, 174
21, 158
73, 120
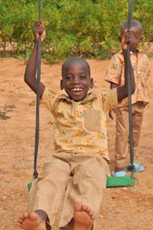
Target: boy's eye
82, 77
68, 77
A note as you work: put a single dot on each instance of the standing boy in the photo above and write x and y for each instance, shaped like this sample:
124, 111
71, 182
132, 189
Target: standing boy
115, 76
79, 167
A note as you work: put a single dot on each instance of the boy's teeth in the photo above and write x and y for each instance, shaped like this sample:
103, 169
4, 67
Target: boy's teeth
76, 89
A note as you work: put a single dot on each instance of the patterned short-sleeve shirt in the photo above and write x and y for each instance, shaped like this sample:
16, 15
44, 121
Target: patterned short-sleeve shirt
141, 68
80, 127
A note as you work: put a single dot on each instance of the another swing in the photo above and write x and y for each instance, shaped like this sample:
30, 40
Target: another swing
114, 181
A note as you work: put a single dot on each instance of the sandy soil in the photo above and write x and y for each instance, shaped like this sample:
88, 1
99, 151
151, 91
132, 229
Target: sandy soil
123, 209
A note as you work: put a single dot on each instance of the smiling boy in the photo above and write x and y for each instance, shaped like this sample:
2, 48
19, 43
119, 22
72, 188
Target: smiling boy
79, 166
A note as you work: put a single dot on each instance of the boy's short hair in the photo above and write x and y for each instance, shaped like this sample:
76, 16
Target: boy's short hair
75, 59
135, 24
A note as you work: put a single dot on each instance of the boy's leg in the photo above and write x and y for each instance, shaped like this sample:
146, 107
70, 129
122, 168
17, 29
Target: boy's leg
89, 180
122, 138
46, 194
138, 110
122, 133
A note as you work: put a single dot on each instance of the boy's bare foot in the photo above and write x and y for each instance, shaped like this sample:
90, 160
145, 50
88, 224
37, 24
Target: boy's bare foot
83, 217
31, 221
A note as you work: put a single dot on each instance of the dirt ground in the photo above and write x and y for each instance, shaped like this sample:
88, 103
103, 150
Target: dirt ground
123, 209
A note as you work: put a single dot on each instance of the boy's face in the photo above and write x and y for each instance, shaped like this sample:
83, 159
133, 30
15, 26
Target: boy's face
76, 81
137, 36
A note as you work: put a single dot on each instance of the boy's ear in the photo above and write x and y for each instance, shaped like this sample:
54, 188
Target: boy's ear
61, 85
91, 83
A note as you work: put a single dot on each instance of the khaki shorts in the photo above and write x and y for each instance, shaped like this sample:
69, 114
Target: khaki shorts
72, 177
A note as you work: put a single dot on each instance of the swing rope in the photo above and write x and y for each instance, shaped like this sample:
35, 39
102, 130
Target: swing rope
35, 173
131, 166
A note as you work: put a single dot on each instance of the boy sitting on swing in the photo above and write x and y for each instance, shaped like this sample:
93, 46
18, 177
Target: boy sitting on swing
80, 165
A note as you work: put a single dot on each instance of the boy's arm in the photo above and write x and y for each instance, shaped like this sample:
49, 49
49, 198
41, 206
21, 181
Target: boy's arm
122, 91
31, 68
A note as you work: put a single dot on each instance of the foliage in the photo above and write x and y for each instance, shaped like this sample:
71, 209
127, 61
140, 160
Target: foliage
89, 28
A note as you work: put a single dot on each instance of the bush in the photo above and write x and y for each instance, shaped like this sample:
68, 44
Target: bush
89, 28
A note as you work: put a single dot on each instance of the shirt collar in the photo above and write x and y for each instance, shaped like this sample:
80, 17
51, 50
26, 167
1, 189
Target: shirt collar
63, 96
